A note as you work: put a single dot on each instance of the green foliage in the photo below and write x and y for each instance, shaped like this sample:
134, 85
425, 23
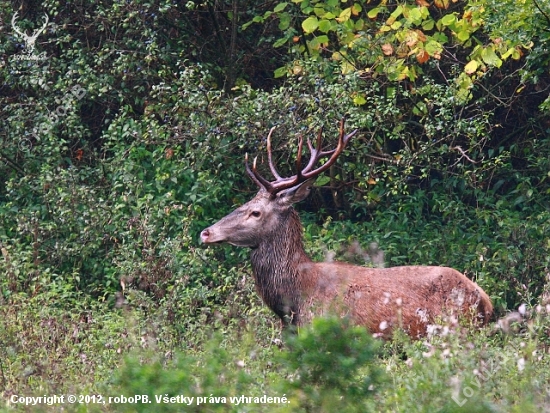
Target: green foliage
99, 203
45, 349
334, 367
326, 365
216, 377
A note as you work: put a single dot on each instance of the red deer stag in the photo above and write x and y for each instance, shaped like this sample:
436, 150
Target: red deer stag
296, 288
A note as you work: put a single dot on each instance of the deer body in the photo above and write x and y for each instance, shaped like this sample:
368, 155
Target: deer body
296, 288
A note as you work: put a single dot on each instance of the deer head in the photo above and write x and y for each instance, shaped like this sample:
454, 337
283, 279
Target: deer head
29, 40
248, 225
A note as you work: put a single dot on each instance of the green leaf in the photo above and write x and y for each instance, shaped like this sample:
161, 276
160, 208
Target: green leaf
344, 15
280, 42
280, 72
448, 19
323, 39
280, 7
284, 21
319, 11
420, 109
463, 35
428, 25
325, 26
415, 17
310, 24
359, 100
433, 47
316, 42
322, 180
247, 24
490, 57
374, 12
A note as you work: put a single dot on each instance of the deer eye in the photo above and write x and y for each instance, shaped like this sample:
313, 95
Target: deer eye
256, 214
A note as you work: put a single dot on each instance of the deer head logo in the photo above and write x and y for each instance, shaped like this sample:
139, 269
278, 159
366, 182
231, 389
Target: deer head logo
29, 40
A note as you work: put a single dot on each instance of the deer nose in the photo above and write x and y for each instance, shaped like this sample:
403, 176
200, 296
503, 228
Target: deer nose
204, 235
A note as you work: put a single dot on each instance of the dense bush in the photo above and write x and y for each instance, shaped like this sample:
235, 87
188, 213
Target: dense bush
327, 365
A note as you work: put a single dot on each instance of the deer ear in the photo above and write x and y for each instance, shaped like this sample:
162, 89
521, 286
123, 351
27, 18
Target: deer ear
296, 193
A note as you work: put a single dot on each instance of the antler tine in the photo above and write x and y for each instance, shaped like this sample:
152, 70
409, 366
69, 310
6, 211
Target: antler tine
299, 161
255, 176
269, 156
315, 153
46, 21
13, 25
342, 142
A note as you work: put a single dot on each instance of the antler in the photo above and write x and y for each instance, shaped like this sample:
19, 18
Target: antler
19, 32
302, 175
46, 20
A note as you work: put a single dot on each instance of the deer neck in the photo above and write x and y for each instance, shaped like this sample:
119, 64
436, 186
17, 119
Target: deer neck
282, 270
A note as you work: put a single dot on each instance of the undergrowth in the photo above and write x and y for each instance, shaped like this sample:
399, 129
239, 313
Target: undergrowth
133, 350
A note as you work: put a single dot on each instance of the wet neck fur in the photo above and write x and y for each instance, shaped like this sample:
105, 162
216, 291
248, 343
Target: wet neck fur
276, 263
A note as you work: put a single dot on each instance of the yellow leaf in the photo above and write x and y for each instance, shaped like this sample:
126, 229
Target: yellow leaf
403, 74
412, 38
347, 67
396, 25
344, 15
471, 67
